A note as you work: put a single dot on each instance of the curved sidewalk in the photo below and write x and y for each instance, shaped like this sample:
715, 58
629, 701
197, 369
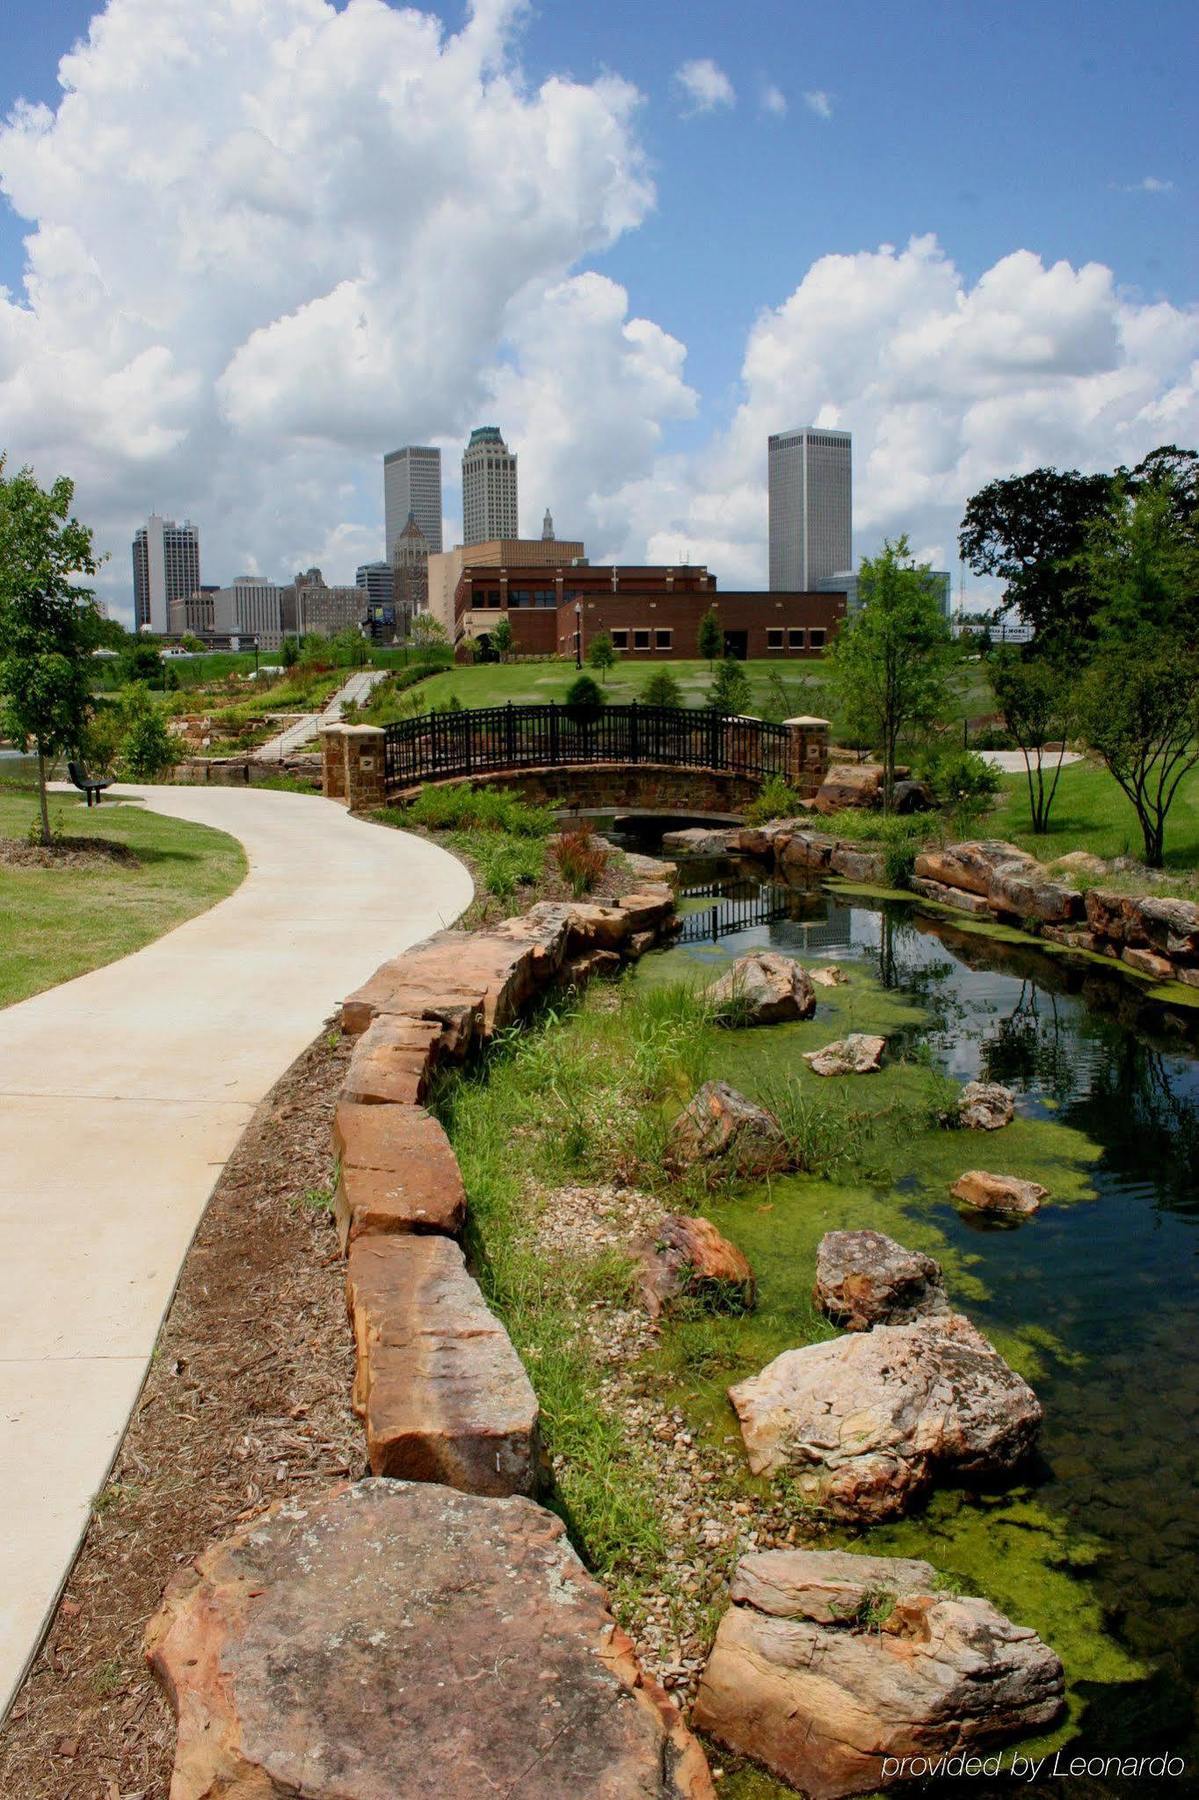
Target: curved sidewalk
122, 1093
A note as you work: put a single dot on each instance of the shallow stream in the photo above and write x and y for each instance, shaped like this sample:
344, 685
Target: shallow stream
1094, 1300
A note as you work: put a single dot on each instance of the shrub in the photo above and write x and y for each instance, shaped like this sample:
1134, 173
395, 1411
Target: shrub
149, 748
778, 800
464, 808
102, 737
584, 693
729, 692
582, 859
662, 690
963, 784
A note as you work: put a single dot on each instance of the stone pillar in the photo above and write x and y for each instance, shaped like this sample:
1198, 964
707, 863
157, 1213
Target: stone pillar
366, 783
807, 754
333, 763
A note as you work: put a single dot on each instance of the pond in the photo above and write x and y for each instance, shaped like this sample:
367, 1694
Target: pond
1094, 1300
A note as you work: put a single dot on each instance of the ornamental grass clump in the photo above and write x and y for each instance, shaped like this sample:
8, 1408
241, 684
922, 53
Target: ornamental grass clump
582, 859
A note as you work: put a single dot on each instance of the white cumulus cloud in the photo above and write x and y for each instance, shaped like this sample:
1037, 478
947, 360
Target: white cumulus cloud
704, 85
774, 101
819, 102
269, 240
1148, 184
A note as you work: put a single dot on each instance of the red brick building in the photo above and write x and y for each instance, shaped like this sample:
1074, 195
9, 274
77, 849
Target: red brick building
649, 612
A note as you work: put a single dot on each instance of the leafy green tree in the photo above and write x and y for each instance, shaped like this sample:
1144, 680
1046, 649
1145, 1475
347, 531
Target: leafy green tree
1036, 698
662, 690
426, 631
889, 664
729, 692
48, 624
149, 748
1027, 530
502, 638
1174, 469
711, 637
601, 654
1139, 700
289, 656
140, 660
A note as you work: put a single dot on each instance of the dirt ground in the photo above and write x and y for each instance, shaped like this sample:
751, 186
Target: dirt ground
246, 1402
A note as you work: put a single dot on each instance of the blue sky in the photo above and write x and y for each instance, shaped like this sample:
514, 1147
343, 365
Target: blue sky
1058, 129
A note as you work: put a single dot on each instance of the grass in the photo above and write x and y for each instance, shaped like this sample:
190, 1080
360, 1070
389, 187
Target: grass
1091, 813
795, 686
502, 837
59, 923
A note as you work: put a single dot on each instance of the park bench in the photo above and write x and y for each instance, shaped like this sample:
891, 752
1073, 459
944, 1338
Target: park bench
84, 782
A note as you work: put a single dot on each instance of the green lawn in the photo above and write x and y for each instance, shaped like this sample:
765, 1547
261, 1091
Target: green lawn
1091, 813
805, 685
58, 923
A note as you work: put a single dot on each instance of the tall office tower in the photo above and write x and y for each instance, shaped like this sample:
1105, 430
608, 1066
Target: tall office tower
412, 484
377, 579
811, 507
166, 567
488, 488
410, 574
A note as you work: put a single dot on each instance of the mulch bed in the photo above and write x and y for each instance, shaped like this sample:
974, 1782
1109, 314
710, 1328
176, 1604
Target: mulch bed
65, 853
246, 1403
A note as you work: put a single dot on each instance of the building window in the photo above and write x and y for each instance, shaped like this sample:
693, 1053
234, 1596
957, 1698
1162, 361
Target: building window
774, 638
816, 637
620, 639
518, 596
641, 640
797, 638
663, 640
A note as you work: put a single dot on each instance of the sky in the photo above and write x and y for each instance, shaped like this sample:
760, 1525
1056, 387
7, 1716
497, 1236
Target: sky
246, 246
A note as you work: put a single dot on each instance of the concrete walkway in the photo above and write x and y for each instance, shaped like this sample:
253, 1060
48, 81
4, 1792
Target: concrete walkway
356, 690
1011, 762
122, 1094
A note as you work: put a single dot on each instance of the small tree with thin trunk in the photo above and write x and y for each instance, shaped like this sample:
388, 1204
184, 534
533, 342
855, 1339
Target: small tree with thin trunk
890, 662
48, 624
601, 654
1139, 710
502, 639
711, 637
1037, 701
729, 692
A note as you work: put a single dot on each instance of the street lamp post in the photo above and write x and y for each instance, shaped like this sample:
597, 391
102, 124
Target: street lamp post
578, 634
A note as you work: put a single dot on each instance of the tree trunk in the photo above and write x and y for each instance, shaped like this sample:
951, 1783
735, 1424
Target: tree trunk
41, 784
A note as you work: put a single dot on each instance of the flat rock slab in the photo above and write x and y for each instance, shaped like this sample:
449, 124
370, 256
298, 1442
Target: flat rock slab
864, 1424
985, 1106
865, 1278
719, 1125
858, 1054
764, 988
396, 1639
826, 975
443, 1393
396, 1172
687, 1258
831, 1668
393, 1060
1005, 1194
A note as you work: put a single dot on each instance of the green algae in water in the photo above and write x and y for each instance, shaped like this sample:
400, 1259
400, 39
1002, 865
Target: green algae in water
1091, 1550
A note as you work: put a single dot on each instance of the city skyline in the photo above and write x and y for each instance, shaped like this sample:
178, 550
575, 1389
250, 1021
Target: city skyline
967, 326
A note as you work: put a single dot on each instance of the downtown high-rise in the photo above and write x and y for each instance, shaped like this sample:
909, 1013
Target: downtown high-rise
811, 507
489, 503
412, 484
166, 567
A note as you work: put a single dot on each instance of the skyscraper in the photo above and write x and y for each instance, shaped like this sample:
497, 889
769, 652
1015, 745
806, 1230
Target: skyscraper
489, 508
166, 567
410, 574
811, 506
412, 484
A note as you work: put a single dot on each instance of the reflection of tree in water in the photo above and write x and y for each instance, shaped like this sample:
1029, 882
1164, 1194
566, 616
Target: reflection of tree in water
1033, 1046
1140, 1104
901, 961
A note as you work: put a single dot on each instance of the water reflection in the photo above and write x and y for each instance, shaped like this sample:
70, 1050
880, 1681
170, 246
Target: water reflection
1109, 1285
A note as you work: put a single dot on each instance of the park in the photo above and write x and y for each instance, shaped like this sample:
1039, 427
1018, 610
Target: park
523, 1116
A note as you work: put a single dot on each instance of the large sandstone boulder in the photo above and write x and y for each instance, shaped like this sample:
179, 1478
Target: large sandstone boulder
864, 1278
762, 988
971, 866
807, 850
699, 840
393, 1638
865, 1423
858, 1054
1170, 926
1024, 891
985, 1106
1004, 1194
850, 784
396, 1172
853, 864
832, 1668
721, 1125
393, 1060
826, 975
440, 1387
687, 1258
